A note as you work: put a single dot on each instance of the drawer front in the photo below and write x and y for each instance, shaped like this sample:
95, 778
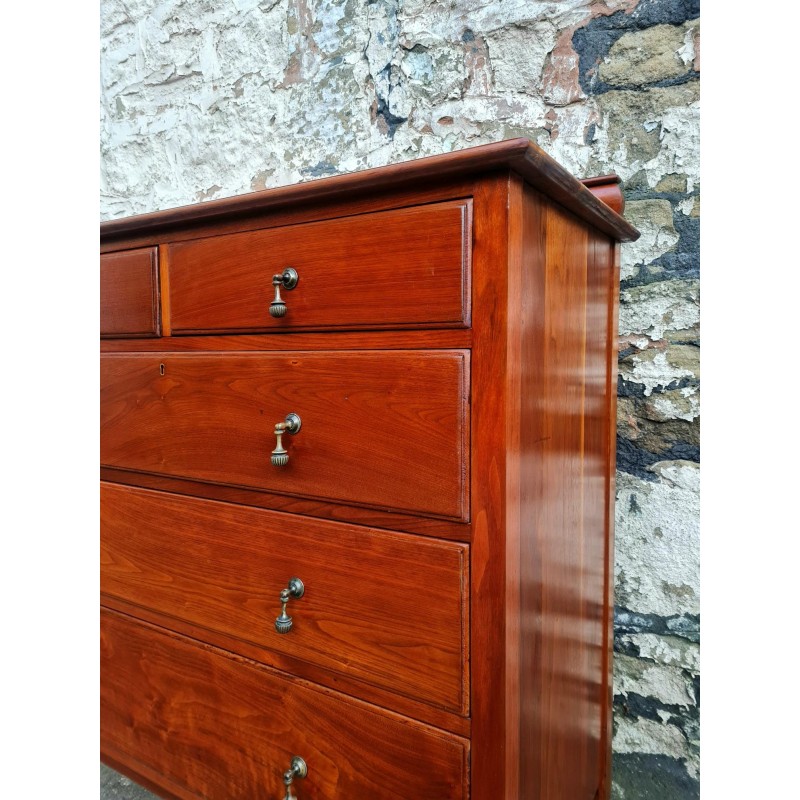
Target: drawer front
129, 299
385, 429
388, 609
407, 267
222, 729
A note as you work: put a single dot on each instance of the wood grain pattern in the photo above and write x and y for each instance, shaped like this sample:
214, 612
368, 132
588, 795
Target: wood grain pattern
495, 737
564, 445
443, 339
220, 728
607, 264
436, 716
163, 276
322, 509
313, 209
380, 429
129, 300
222, 567
520, 155
499, 435
607, 188
385, 269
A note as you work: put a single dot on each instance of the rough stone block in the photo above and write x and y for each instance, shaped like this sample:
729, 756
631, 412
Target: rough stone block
646, 57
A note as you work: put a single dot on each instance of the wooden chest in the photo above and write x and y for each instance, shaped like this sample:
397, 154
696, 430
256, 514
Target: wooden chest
357, 458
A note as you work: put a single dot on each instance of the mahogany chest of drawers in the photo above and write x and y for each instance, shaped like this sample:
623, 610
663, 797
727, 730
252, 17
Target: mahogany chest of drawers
357, 457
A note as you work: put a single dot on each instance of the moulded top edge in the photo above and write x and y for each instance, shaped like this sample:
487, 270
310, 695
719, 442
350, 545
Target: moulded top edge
519, 155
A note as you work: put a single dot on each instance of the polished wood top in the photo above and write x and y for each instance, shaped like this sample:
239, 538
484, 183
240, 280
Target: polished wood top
518, 155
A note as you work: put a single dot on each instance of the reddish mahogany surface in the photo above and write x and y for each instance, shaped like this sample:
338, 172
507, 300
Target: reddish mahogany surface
499, 435
378, 429
518, 155
213, 726
387, 269
564, 436
129, 293
222, 567
607, 189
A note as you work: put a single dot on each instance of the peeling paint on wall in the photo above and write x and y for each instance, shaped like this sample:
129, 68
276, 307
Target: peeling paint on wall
202, 100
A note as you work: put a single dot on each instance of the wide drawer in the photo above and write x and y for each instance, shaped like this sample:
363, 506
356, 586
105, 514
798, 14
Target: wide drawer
386, 429
129, 300
220, 728
363, 612
405, 267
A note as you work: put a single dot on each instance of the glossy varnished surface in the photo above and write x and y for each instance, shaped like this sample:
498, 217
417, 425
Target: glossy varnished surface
395, 268
563, 545
129, 300
222, 567
211, 726
493, 427
495, 736
518, 155
607, 188
379, 429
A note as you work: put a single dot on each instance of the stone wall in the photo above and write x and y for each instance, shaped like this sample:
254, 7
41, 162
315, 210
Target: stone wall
204, 99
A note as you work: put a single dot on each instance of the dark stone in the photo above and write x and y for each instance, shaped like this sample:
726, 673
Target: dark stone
593, 41
635, 460
664, 12
686, 626
633, 389
467, 36
683, 261
664, 439
321, 169
638, 706
392, 121
650, 777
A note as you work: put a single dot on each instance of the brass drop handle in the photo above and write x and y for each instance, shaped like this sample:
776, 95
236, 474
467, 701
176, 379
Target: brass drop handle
297, 770
288, 280
291, 424
296, 589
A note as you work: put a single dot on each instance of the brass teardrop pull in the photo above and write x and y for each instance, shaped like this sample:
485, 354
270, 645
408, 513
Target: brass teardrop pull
298, 769
288, 280
291, 424
296, 589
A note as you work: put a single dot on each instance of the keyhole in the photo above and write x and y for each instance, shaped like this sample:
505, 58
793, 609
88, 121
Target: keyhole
161, 369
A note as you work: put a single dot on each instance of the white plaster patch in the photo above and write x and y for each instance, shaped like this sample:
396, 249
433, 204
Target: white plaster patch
647, 736
670, 651
657, 308
518, 55
687, 52
658, 540
448, 20
653, 370
653, 219
667, 408
680, 146
664, 683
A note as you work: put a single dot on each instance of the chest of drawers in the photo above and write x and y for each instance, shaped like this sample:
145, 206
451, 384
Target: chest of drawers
357, 456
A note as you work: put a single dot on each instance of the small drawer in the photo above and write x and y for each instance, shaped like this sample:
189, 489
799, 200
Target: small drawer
129, 299
401, 268
358, 609
384, 429
205, 725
